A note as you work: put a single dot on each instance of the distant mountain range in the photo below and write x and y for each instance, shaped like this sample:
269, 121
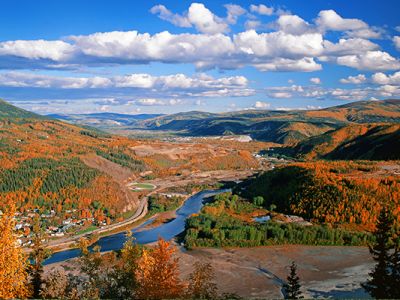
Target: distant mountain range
284, 127
358, 130
104, 120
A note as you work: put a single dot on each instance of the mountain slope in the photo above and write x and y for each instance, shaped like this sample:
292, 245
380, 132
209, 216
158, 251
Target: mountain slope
286, 127
387, 111
44, 165
353, 141
103, 120
8, 111
379, 143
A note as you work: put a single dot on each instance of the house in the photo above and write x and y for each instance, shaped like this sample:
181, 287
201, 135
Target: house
52, 228
67, 221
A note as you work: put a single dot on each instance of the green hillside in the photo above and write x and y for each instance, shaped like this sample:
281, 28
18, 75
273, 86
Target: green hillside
8, 111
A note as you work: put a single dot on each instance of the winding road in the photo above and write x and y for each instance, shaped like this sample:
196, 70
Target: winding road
166, 231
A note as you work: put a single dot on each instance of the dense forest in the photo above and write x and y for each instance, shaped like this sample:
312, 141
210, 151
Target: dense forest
67, 171
347, 194
228, 222
42, 167
350, 142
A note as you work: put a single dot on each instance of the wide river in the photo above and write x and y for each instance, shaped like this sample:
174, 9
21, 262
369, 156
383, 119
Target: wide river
167, 231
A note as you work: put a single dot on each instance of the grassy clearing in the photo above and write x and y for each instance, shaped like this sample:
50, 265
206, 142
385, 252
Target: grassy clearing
143, 186
87, 230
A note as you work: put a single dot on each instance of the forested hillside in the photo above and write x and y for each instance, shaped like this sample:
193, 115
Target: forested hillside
346, 194
63, 171
8, 111
355, 141
41, 165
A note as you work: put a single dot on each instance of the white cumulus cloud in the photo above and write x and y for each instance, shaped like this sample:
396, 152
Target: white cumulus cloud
330, 20
382, 78
315, 80
37, 49
204, 20
371, 60
165, 14
293, 24
261, 9
262, 105
358, 79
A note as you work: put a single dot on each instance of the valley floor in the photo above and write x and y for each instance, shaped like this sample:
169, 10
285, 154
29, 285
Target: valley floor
325, 271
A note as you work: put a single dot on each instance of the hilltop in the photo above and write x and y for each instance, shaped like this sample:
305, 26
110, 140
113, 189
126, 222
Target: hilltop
8, 111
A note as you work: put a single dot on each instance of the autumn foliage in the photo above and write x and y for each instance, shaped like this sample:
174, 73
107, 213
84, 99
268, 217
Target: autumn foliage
13, 263
347, 194
135, 272
158, 273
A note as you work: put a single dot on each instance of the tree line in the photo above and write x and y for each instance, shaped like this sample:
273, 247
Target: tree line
138, 272
134, 272
122, 159
219, 224
335, 193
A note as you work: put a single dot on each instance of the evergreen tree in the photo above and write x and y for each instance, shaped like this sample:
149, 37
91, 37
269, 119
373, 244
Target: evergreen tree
292, 287
380, 285
395, 274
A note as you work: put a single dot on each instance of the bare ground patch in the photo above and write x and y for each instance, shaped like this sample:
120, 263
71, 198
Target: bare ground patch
120, 174
257, 272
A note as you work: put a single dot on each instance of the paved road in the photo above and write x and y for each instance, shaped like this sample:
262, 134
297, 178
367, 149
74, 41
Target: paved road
139, 214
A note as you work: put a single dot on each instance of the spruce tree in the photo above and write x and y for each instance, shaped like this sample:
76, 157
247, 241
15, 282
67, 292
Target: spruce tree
395, 274
292, 287
380, 284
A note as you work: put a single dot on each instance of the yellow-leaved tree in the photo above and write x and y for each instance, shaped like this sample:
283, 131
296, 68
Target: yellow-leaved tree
14, 281
158, 273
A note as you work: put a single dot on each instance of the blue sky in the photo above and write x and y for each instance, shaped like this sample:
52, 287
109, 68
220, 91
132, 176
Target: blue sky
171, 56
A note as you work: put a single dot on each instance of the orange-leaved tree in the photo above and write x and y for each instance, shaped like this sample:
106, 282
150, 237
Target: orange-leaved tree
158, 273
13, 263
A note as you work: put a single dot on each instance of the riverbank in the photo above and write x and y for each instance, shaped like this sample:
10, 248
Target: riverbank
167, 230
140, 216
325, 271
